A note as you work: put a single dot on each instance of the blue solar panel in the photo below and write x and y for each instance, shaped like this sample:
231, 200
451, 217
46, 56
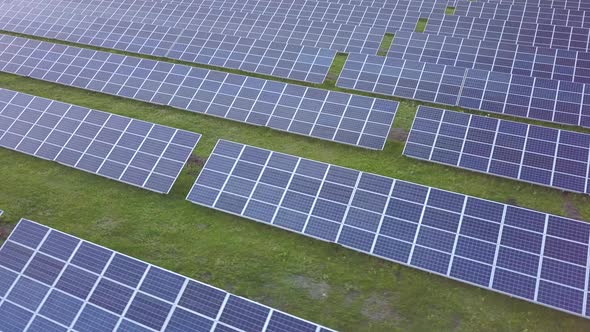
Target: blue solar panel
135, 152
523, 253
99, 300
328, 115
540, 155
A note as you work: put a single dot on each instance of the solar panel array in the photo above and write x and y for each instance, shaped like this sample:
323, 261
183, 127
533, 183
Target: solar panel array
523, 13
52, 281
36, 20
563, 4
523, 96
535, 154
531, 255
328, 115
557, 64
524, 33
398, 17
143, 154
303, 63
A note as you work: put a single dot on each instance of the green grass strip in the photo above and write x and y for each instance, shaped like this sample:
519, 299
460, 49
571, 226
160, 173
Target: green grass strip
450, 10
421, 25
385, 44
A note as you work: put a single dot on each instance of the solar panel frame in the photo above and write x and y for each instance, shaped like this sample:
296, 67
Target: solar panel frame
142, 154
329, 115
194, 304
394, 202
501, 148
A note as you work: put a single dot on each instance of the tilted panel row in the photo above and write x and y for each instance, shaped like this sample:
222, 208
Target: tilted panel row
139, 153
329, 115
52, 281
527, 254
539, 155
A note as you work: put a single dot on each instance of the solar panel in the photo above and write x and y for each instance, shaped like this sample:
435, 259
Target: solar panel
52, 281
135, 152
523, 33
506, 57
540, 155
303, 63
526, 254
328, 115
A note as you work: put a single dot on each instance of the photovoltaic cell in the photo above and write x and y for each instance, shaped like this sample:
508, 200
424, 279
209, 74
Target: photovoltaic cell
328, 115
540, 155
531, 255
96, 300
138, 153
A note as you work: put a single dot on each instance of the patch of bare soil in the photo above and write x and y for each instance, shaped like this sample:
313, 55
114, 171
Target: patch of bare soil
381, 307
195, 163
351, 296
512, 201
456, 322
5, 230
398, 135
315, 289
571, 211
106, 225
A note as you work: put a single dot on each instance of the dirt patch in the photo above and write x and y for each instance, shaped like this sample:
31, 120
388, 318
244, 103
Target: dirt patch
351, 296
456, 322
205, 276
398, 135
381, 307
195, 160
195, 163
106, 225
202, 227
571, 211
512, 201
315, 289
5, 230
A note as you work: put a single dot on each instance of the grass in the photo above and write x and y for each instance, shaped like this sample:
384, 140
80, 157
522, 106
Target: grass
421, 25
335, 70
318, 281
449, 10
385, 44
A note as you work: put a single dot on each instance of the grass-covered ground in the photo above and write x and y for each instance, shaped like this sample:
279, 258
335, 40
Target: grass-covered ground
321, 282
